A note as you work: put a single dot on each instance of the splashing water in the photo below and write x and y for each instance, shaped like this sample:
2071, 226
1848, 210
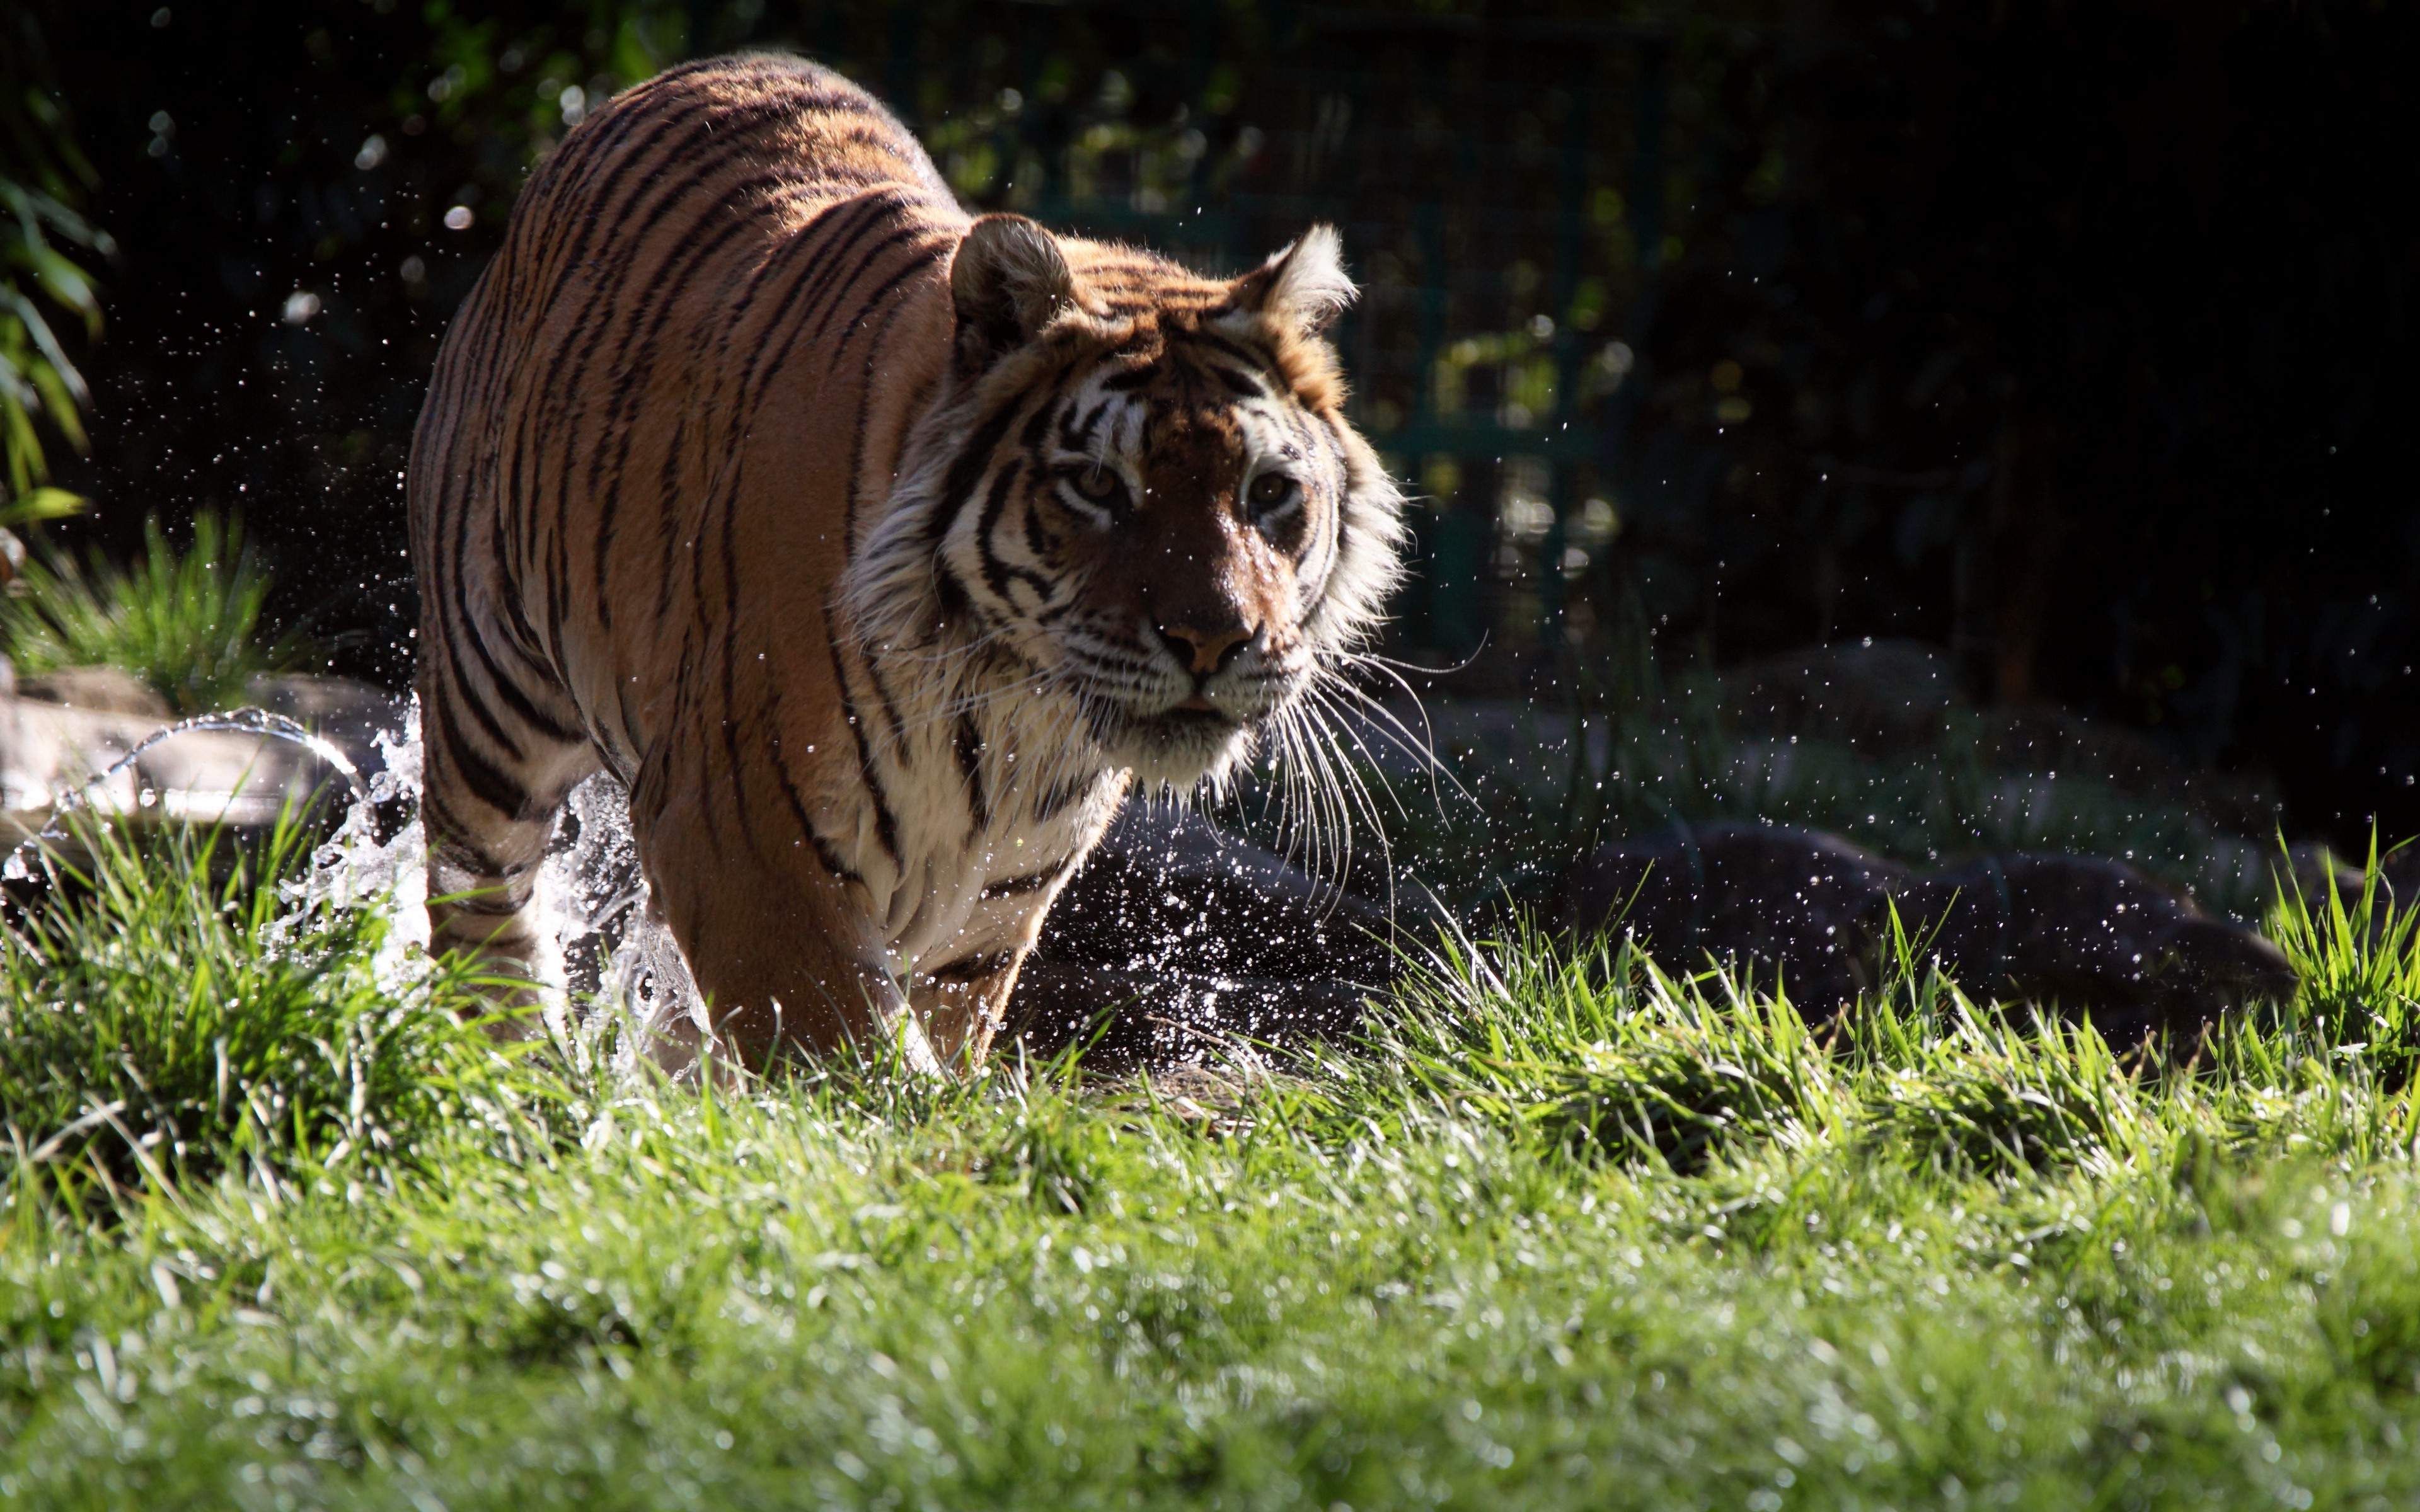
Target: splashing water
604, 950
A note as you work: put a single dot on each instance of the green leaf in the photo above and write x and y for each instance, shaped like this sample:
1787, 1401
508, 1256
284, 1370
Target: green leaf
67, 284
59, 400
35, 505
23, 448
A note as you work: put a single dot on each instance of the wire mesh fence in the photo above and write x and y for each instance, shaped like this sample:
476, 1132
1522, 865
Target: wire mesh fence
1500, 187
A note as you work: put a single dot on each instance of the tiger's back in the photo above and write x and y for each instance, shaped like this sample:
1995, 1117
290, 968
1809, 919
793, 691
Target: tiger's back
634, 369
660, 484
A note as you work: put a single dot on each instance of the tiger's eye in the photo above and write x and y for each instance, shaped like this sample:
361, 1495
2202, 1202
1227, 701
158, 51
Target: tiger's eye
1271, 490
1099, 485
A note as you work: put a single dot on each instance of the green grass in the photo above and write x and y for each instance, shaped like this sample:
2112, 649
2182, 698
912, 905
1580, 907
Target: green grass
1570, 1231
177, 1018
186, 622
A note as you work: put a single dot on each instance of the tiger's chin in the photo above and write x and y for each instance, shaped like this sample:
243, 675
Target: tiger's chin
1177, 747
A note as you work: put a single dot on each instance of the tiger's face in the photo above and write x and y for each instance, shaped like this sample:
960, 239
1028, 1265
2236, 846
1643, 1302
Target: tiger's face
1185, 504
1155, 505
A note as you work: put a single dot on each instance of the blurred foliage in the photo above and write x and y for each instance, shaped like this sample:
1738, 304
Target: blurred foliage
187, 622
45, 177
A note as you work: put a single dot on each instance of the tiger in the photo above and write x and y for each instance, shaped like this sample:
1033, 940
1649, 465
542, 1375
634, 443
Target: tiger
878, 548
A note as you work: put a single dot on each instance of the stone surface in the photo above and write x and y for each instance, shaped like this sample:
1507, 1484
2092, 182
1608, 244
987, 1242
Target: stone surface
98, 690
2078, 931
51, 749
1768, 897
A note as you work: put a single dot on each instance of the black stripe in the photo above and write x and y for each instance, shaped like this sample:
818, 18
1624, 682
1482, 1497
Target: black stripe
463, 621
886, 828
601, 172
969, 747
972, 967
890, 708
857, 437
825, 852
997, 571
1020, 886
1257, 357
523, 708
830, 858
966, 472
730, 645
907, 269
454, 692
485, 782
957, 604
1038, 427
908, 230
1076, 435
1236, 383
442, 829
624, 406
1038, 540
668, 491
629, 220
829, 242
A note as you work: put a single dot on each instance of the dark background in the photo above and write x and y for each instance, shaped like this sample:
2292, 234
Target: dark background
2071, 338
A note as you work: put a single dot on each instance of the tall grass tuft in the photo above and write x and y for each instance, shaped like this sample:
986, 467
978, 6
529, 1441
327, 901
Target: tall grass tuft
1982, 1094
1606, 1055
186, 622
2360, 965
168, 1011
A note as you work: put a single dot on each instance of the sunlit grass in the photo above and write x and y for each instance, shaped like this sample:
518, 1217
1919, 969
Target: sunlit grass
2362, 980
1571, 1229
186, 622
168, 1014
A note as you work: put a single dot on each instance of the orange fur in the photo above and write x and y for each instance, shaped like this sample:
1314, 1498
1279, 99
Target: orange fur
746, 475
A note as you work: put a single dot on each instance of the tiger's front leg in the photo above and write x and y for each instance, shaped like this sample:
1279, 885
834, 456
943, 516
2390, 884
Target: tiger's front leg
491, 782
781, 950
963, 1003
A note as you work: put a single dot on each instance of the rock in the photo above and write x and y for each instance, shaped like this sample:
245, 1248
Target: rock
47, 750
58, 745
2399, 870
2078, 931
96, 691
349, 715
1806, 904
1176, 938
1891, 700
1882, 697
1128, 1020
2313, 872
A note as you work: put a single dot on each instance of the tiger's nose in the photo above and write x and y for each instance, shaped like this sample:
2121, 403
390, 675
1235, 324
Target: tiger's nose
1210, 648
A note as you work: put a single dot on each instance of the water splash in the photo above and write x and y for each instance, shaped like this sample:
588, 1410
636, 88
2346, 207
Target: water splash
615, 950
606, 950
606, 953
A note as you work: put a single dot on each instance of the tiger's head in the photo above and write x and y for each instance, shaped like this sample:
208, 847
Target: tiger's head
1137, 488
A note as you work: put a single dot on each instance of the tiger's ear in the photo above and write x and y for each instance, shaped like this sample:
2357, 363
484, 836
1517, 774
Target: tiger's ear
1008, 281
1303, 284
